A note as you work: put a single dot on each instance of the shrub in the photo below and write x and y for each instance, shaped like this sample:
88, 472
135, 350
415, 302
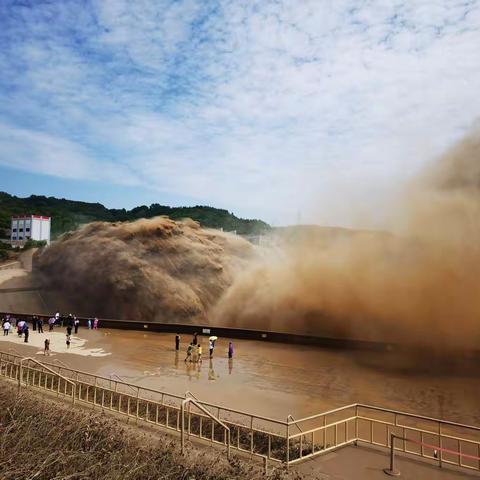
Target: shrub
34, 244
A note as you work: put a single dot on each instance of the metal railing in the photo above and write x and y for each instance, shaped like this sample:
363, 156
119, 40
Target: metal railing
191, 401
437, 441
40, 376
254, 434
291, 441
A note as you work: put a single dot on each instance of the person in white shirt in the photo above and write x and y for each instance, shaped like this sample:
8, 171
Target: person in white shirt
6, 328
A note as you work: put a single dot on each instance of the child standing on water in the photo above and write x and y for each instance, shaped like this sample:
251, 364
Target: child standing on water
189, 352
46, 350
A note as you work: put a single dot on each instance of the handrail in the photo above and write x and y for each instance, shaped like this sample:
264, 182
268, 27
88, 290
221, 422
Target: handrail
290, 417
323, 427
30, 359
63, 364
420, 417
188, 392
329, 412
114, 375
188, 401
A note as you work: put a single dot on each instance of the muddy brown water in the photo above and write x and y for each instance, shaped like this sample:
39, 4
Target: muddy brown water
278, 379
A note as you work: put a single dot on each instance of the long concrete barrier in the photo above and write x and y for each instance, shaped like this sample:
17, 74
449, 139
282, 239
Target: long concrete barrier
225, 332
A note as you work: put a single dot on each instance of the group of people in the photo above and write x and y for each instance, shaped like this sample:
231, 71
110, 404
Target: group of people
9, 324
195, 350
71, 321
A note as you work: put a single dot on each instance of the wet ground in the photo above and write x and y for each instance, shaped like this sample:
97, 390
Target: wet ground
275, 379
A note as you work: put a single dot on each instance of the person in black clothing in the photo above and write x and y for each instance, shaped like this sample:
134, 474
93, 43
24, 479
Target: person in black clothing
195, 339
26, 332
40, 325
69, 331
76, 324
34, 323
177, 342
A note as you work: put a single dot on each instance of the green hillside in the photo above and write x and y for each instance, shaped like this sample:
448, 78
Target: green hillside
69, 214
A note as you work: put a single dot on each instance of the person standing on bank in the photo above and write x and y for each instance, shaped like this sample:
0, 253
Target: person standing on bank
177, 342
230, 350
26, 332
20, 326
40, 325
211, 346
6, 328
76, 324
34, 322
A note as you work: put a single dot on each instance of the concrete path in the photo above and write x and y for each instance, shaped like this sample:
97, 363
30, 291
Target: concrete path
362, 463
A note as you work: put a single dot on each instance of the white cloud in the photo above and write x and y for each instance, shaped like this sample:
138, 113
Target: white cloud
257, 106
37, 152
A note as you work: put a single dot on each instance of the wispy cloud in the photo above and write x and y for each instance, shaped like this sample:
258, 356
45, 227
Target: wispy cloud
263, 107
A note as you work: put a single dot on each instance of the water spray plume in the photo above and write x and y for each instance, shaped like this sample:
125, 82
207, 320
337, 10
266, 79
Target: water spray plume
148, 270
418, 286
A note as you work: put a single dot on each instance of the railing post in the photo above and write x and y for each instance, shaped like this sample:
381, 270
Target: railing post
228, 444
20, 373
138, 406
391, 471
440, 444
182, 432
288, 444
251, 434
356, 425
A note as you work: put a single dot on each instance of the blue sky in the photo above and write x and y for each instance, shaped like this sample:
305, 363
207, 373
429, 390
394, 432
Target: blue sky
286, 110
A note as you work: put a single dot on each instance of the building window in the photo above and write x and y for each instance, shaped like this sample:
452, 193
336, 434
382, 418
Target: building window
27, 229
14, 229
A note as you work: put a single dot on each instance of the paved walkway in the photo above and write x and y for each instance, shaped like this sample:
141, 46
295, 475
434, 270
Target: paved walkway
362, 463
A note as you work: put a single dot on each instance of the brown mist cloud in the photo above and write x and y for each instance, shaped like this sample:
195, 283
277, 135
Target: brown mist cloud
420, 286
151, 270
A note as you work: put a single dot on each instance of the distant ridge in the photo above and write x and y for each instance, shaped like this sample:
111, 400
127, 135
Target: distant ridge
69, 214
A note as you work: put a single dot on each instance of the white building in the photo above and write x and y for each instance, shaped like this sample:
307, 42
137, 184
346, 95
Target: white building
33, 227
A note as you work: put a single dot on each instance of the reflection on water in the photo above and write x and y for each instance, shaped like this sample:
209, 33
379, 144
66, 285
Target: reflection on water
230, 366
211, 371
